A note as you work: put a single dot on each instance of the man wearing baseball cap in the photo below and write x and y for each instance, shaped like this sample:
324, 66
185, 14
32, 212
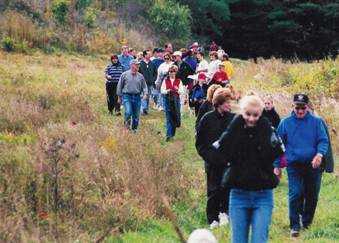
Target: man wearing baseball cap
306, 143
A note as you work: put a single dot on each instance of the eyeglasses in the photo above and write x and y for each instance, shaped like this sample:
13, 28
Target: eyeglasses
300, 107
172, 71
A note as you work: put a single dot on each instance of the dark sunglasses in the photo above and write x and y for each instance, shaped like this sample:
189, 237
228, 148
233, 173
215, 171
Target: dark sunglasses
300, 107
173, 71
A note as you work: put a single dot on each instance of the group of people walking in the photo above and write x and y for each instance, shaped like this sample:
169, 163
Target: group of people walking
244, 153
169, 78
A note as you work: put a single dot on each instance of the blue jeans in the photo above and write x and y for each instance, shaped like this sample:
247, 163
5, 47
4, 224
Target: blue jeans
303, 191
250, 209
170, 122
131, 103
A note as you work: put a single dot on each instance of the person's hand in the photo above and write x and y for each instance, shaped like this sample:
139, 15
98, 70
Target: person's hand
145, 97
119, 99
277, 172
316, 162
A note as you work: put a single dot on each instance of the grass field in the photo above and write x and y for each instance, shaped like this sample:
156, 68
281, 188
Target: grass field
69, 172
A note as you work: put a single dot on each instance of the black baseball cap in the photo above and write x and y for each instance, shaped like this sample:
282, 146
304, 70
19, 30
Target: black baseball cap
301, 99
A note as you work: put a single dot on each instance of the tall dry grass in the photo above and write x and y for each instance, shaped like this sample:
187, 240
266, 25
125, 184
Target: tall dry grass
282, 79
27, 33
67, 171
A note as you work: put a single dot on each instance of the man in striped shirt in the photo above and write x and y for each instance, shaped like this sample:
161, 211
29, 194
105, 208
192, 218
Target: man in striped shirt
113, 72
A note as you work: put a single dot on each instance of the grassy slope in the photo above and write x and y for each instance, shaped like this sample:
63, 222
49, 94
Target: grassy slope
78, 75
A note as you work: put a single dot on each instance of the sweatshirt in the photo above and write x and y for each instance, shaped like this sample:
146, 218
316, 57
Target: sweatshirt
303, 138
131, 84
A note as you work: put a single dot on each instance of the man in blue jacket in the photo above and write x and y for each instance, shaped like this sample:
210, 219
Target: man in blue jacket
306, 143
125, 58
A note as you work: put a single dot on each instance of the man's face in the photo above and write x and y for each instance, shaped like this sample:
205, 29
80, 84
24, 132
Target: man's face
199, 56
124, 51
114, 60
177, 58
169, 48
134, 68
148, 55
300, 110
160, 55
251, 116
221, 68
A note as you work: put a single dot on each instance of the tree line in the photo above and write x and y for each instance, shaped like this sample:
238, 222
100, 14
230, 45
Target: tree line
245, 28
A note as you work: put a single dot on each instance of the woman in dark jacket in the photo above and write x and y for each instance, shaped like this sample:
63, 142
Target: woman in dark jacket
270, 112
207, 105
249, 146
209, 130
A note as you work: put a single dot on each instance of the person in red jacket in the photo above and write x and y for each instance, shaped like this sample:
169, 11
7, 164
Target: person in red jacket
171, 89
220, 76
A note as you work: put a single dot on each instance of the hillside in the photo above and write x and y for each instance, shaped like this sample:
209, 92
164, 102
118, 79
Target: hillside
244, 28
69, 171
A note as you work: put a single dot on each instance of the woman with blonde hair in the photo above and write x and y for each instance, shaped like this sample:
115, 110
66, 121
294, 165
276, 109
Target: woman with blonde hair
207, 105
210, 129
250, 145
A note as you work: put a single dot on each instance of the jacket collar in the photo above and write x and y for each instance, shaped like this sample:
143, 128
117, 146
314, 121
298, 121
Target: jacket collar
304, 118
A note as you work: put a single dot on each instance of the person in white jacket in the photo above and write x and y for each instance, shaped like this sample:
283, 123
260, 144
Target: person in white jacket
162, 73
203, 64
214, 64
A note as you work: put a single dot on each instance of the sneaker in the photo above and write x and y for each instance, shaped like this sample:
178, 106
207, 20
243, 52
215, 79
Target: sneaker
294, 233
214, 224
223, 219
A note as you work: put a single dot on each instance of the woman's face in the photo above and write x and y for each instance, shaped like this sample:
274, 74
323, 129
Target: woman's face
167, 59
268, 105
226, 106
172, 73
251, 115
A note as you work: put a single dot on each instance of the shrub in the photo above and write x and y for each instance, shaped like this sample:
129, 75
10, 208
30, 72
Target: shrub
22, 46
7, 43
90, 17
60, 10
172, 19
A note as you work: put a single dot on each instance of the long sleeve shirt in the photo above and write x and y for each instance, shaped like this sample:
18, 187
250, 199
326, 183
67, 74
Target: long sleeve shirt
164, 90
303, 138
130, 83
212, 68
202, 66
113, 71
125, 61
162, 72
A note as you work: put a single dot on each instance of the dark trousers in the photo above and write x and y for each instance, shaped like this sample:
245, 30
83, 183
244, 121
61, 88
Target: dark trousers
196, 108
172, 114
112, 98
217, 197
303, 191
